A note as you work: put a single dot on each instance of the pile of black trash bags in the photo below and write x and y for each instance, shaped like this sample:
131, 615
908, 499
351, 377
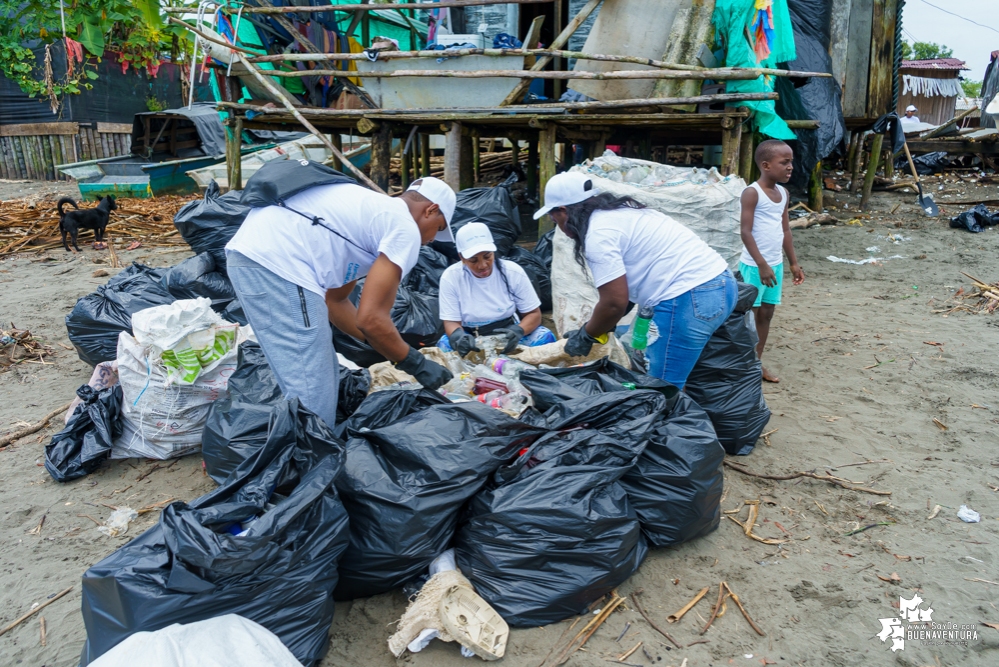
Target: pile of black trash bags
547, 513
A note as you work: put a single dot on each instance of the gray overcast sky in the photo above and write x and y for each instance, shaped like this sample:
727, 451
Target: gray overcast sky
971, 43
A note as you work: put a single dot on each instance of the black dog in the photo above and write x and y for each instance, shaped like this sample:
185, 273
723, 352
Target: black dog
70, 222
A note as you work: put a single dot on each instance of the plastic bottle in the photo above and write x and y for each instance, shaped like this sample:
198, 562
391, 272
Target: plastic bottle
510, 368
489, 397
640, 335
511, 402
458, 387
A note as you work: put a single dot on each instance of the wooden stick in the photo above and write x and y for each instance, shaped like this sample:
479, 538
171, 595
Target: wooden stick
34, 611
558, 53
41, 625
673, 618
526, 74
368, 7
627, 654
735, 598
584, 635
845, 483
28, 430
714, 613
638, 607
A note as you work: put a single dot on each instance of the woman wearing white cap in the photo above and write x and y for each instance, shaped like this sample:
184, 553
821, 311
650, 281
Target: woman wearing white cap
639, 255
293, 267
910, 118
483, 295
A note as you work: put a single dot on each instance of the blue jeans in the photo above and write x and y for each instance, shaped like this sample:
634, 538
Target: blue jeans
684, 325
292, 326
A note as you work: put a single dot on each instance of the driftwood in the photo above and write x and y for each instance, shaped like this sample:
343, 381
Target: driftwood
34, 428
838, 481
34, 611
638, 607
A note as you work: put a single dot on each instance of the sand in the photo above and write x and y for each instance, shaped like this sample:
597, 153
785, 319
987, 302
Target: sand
858, 383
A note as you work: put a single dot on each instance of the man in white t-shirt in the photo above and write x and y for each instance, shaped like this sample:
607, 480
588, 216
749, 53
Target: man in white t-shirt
294, 267
910, 120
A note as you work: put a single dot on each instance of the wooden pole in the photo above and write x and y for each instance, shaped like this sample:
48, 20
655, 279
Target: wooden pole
381, 155
424, 154
722, 75
337, 141
517, 93
368, 7
236, 178
872, 168
546, 148
404, 174
731, 138
476, 149
815, 188
514, 153
452, 157
532, 169
888, 160
852, 150
746, 150
557, 63
858, 158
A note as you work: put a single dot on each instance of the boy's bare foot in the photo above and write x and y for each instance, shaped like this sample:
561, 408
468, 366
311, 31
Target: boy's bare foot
769, 377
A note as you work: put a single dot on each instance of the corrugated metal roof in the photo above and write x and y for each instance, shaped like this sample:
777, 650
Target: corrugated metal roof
934, 63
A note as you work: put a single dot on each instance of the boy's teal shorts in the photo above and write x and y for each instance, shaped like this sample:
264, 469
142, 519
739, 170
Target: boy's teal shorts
751, 275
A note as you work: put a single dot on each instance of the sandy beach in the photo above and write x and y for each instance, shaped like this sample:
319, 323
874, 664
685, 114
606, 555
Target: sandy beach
878, 386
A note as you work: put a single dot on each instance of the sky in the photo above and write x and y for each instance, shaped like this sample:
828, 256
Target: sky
973, 44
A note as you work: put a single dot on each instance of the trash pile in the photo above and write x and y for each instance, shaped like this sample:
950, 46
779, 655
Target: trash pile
19, 345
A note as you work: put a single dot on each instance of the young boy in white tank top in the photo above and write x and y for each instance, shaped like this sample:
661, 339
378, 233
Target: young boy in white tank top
766, 236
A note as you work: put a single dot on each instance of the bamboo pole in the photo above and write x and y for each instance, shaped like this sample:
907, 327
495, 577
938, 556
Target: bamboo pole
563, 37
718, 75
577, 55
440, 4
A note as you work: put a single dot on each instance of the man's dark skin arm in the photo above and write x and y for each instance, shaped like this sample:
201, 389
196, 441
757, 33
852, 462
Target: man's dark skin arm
610, 308
343, 313
374, 313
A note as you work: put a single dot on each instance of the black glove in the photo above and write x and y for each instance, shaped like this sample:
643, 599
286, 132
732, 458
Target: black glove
578, 343
431, 375
462, 342
513, 334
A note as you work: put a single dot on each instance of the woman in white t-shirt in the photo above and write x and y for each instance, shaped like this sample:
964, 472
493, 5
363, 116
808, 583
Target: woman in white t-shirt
639, 255
483, 295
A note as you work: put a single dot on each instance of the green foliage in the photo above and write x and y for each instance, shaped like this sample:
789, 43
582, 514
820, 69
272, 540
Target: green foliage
153, 104
925, 51
132, 29
971, 88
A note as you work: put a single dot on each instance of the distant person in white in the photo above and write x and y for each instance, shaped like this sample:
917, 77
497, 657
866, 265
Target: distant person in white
639, 255
910, 119
294, 267
486, 296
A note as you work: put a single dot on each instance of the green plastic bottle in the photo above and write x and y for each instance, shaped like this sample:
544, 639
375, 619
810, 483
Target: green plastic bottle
640, 335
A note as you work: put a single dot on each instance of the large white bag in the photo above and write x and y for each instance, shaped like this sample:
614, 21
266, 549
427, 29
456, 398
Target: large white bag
224, 641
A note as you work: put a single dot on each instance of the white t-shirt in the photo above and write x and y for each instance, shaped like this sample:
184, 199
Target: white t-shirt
661, 258
768, 228
476, 302
909, 122
315, 258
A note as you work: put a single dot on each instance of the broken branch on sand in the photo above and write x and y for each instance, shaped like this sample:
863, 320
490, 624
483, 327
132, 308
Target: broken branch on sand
34, 611
34, 428
838, 481
673, 618
638, 607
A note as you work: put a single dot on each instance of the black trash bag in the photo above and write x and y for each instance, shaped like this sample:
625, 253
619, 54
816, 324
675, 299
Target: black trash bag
96, 320
556, 530
495, 208
386, 407
891, 125
405, 482
426, 275
198, 277
233, 312
208, 224
415, 315
81, 447
545, 248
727, 380
925, 164
238, 425
537, 273
676, 485
190, 566
976, 219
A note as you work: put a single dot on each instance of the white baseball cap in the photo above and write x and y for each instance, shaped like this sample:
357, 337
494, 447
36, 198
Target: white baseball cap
911, 108
440, 193
566, 189
474, 238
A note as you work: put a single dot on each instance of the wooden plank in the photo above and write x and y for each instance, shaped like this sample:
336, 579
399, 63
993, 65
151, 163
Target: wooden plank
879, 85
4, 160
84, 152
119, 128
36, 129
18, 150
955, 146
858, 59
30, 158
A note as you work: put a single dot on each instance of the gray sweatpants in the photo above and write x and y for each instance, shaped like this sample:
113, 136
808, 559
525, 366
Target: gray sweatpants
292, 325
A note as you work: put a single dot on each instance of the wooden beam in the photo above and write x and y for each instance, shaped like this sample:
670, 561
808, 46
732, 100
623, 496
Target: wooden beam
532, 168
381, 149
746, 150
560, 41
955, 146
872, 168
879, 86
858, 159
41, 129
815, 188
109, 128
337, 141
369, 7
719, 75
731, 139
453, 157
424, 154
546, 150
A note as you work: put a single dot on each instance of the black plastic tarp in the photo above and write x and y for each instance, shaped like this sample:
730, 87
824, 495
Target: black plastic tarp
990, 88
405, 482
192, 565
203, 116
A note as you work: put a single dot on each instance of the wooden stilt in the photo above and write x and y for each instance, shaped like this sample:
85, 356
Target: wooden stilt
731, 138
815, 188
532, 169
746, 150
458, 171
852, 150
872, 168
514, 153
546, 150
858, 158
424, 154
476, 151
337, 141
404, 173
381, 149
232, 154
888, 160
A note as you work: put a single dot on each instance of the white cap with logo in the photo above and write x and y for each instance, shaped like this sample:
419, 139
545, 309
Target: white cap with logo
440, 193
911, 107
566, 189
474, 238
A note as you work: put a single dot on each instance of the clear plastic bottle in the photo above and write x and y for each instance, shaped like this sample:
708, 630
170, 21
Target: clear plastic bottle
491, 396
514, 402
460, 386
510, 368
640, 334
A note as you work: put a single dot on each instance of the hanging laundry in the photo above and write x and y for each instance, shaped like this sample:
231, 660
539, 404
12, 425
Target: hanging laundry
763, 29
